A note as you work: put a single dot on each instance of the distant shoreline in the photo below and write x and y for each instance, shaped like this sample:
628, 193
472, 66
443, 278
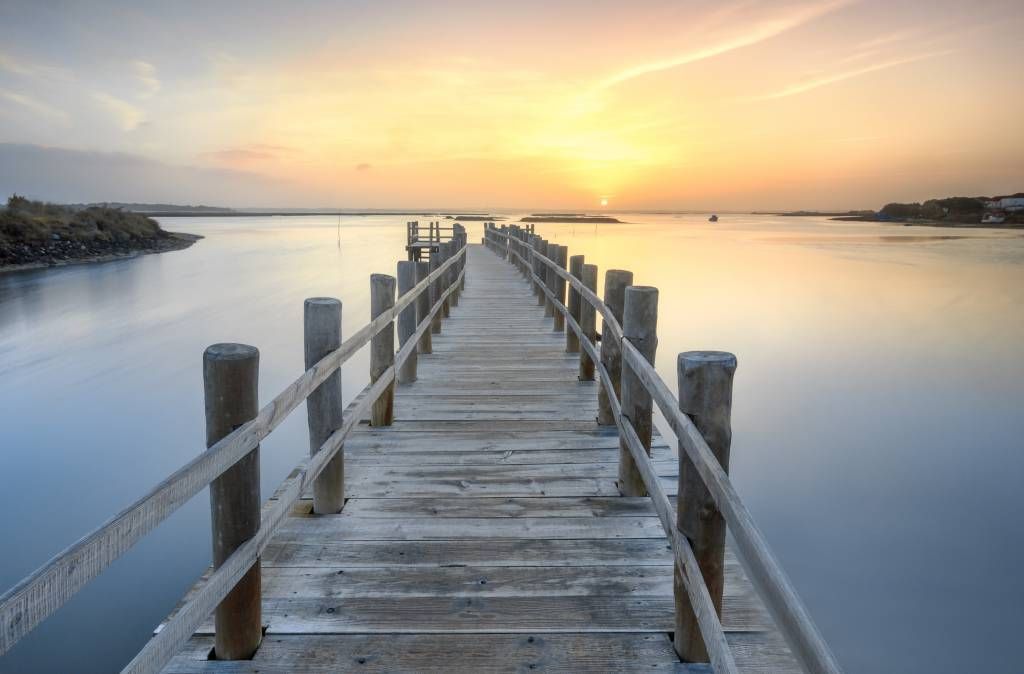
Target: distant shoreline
570, 218
268, 214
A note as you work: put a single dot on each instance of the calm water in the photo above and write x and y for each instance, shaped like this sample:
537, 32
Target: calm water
877, 424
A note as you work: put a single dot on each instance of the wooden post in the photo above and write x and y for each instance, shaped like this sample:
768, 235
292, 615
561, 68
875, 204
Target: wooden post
382, 347
588, 321
615, 283
705, 395
423, 308
454, 273
444, 250
435, 294
541, 271
230, 377
572, 340
561, 253
462, 265
406, 321
640, 328
324, 407
551, 253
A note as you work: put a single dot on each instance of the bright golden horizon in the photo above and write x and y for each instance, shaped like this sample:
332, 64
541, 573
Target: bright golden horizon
734, 105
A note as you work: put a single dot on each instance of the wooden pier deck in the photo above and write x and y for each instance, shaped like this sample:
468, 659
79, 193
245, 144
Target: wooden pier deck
484, 530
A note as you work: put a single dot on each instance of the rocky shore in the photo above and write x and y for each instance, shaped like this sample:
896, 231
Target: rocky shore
34, 234
16, 256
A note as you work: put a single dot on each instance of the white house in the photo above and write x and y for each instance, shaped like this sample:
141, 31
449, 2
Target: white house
1011, 203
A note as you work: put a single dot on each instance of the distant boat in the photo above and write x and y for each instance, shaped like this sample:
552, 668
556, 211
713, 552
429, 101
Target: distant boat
713, 218
993, 219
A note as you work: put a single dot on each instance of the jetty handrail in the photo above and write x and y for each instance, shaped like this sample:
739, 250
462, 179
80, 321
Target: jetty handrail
763, 569
187, 619
49, 587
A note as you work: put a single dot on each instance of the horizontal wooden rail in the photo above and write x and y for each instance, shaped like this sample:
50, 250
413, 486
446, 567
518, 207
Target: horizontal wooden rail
763, 569
710, 626
187, 619
48, 588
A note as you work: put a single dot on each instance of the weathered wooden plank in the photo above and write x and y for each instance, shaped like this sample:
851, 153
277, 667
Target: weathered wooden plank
393, 457
469, 506
497, 486
556, 581
418, 426
370, 473
476, 615
381, 554
467, 528
483, 653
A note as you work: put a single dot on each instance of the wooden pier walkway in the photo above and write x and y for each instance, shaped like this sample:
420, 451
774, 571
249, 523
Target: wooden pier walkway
483, 528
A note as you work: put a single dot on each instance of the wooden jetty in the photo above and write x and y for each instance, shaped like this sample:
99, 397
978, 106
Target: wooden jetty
496, 499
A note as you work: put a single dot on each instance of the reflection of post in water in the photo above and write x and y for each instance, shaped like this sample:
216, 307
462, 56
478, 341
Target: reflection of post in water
339, 231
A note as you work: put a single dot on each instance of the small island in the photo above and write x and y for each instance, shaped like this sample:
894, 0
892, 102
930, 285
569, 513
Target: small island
38, 234
567, 217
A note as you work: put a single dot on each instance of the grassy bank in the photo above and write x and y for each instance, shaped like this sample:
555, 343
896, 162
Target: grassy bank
38, 234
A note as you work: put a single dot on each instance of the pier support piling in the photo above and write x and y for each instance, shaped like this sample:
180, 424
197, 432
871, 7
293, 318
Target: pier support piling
572, 340
588, 321
615, 283
705, 395
423, 305
639, 328
324, 407
558, 285
382, 347
406, 321
230, 379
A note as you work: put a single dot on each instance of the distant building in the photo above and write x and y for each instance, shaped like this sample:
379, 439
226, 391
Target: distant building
1011, 203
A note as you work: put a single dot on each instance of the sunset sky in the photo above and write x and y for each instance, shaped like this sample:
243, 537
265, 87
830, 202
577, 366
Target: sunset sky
653, 105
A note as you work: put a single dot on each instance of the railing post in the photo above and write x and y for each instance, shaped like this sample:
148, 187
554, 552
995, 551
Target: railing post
230, 377
540, 270
382, 347
406, 321
551, 253
588, 321
324, 407
615, 283
423, 308
639, 328
705, 395
435, 293
446, 253
454, 248
572, 340
561, 253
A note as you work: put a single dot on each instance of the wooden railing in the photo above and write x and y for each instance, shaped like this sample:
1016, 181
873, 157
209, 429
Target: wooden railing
425, 292
699, 418
432, 233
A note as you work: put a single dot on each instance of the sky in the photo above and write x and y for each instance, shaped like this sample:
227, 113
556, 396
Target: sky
727, 105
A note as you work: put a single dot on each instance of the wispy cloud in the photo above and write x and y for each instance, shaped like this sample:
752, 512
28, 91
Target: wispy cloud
128, 116
28, 69
145, 74
760, 32
35, 105
254, 152
808, 85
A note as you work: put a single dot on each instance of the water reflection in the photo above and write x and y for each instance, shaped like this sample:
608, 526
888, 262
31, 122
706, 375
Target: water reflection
877, 431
